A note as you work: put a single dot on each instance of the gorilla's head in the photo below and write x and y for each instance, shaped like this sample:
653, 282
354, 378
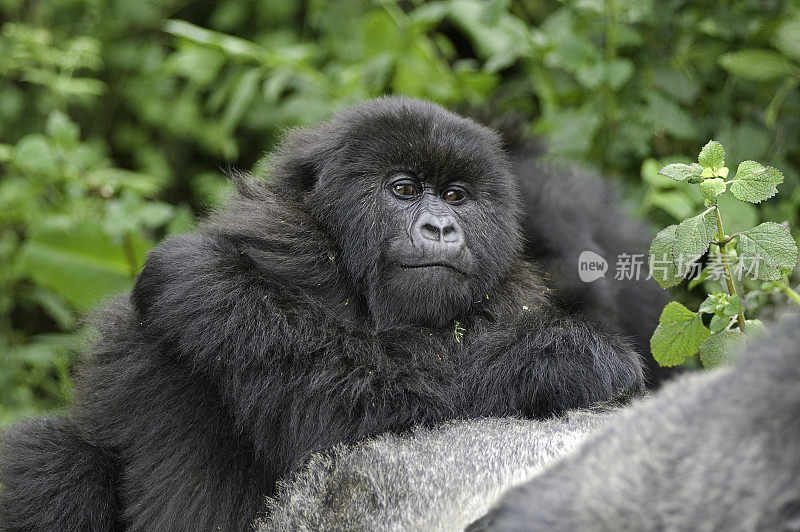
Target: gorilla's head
420, 203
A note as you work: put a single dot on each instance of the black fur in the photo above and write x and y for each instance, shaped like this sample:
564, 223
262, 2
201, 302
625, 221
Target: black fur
280, 329
40, 457
568, 210
718, 451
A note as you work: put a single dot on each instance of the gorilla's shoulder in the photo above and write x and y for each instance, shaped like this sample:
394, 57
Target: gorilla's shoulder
261, 243
175, 268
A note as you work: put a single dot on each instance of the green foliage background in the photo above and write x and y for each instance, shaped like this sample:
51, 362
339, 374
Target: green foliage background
117, 116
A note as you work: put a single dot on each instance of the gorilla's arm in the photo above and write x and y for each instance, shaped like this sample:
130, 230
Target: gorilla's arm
431, 479
712, 451
545, 363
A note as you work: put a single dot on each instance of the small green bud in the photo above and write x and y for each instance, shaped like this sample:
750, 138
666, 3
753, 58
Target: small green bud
722, 172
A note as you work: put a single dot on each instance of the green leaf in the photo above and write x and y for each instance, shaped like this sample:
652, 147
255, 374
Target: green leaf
679, 172
692, 238
754, 182
662, 114
718, 323
182, 222
732, 306
723, 305
62, 130
679, 334
787, 37
767, 249
33, 154
718, 349
710, 304
116, 178
756, 64
712, 155
662, 260
676, 203
155, 214
80, 263
698, 280
711, 188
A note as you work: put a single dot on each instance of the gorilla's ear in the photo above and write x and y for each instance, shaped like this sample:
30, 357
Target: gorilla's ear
299, 161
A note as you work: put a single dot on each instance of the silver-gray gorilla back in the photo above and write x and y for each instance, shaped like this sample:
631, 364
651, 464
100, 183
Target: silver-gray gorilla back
438, 479
717, 451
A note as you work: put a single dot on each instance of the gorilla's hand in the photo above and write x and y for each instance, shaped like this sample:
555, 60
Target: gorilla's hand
551, 366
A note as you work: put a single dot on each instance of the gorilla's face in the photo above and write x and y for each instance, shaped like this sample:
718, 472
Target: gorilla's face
421, 205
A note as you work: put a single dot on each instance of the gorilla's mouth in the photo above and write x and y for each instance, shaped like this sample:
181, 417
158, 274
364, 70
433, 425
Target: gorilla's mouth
433, 265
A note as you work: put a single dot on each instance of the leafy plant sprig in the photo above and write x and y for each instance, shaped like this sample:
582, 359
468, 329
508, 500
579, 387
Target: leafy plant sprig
766, 251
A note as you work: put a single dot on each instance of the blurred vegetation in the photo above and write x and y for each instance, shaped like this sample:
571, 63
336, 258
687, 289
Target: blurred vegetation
117, 116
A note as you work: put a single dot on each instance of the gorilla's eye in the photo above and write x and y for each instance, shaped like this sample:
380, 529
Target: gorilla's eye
405, 189
454, 195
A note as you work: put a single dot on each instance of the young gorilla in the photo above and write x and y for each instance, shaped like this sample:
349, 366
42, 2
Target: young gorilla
372, 285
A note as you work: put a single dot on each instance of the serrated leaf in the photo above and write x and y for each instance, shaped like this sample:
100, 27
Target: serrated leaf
712, 155
679, 172
718, 349
662, 260
679, 334
711, 188
718, 323
754, 182
732, 306
756, 64
766, 249
692, 238
710, 303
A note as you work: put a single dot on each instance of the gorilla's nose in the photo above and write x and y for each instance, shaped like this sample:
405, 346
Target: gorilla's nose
438, 231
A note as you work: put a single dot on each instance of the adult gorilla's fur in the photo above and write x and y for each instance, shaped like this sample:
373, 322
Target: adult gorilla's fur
709, 452
568, 210
282, 328
431, 479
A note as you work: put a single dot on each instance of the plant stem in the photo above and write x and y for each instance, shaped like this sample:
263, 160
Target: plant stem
728, 274
784, 285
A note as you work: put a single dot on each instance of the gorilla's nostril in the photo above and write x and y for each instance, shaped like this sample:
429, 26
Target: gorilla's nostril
448, 230
431, 231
